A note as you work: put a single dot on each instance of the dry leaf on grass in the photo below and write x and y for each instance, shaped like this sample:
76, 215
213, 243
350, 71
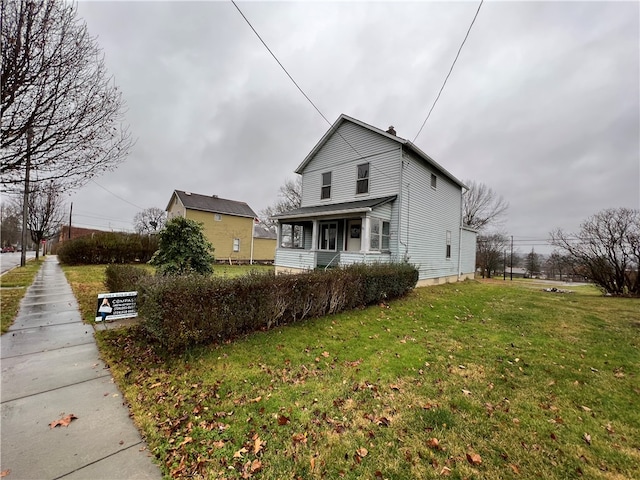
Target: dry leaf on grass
474, 458
64, 421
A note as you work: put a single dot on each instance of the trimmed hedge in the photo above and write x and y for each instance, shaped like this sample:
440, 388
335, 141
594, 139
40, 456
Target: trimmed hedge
124, 278
181, 311
108, 247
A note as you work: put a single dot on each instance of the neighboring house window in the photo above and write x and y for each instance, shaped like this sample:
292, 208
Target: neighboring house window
325, 192
217, 217
236, 244
328, 234
448, 243
362, 185
379, 235
434, 181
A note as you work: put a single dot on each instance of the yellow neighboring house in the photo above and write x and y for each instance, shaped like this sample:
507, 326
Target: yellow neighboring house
228, 224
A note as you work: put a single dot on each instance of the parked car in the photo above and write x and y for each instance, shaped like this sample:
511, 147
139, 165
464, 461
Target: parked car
8, 249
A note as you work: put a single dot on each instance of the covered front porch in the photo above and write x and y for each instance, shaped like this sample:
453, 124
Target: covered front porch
333, 235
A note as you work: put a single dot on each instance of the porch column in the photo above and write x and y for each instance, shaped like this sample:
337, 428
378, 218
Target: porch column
364, 235
314, 236
278, 234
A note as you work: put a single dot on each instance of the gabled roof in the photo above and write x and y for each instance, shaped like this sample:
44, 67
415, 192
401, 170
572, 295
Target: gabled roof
404, 142
335, 208
261, 232
213, 203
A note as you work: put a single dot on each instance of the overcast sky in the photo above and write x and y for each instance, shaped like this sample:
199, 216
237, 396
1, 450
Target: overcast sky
543, 103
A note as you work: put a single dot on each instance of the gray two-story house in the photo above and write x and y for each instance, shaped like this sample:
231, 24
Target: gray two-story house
369, 195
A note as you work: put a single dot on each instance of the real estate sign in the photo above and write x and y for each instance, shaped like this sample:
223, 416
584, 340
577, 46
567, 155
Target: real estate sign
113, 306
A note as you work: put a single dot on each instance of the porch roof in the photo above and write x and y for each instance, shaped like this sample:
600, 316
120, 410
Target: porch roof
359, 206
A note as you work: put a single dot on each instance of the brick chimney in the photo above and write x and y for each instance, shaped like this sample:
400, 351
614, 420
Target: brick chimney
391, 130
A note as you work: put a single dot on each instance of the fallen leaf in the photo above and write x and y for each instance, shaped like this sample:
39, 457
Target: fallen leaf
185, 441
325, 354
586, 409
255, 400
299, 438
587, 438
256, 465
64, 421
394, 386
218, 443
312, 462
383, 422
362, 452
474, 458
433, 443
257, 444
516, 421
446, 471
514, 468
609, 428
282, 420
466, 392
240, 452
156, 385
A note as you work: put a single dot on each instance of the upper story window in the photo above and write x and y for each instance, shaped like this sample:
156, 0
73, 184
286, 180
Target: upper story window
217, 217
434, 181
325, 192
362, 185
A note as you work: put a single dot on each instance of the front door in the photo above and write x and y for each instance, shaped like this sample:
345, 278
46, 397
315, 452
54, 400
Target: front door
354, 232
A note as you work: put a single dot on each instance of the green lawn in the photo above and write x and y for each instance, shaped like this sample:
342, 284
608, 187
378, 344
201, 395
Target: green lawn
13, 286
485, 380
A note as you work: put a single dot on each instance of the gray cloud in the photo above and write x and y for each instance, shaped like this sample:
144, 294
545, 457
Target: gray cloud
543, 104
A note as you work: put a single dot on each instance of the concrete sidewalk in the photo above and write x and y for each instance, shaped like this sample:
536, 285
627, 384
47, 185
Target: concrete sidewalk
51, 368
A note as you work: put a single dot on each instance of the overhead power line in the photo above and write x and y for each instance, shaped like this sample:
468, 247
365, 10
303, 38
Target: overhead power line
296, 83
117, 196
450, 70
281, 66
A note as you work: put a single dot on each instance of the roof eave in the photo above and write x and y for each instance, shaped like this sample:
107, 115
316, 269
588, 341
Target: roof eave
323, 213
430, 160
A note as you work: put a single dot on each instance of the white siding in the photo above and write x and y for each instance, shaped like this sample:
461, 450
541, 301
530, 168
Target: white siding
426, 216
468, 254
337, 157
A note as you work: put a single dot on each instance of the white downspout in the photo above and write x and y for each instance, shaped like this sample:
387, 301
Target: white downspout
460, 239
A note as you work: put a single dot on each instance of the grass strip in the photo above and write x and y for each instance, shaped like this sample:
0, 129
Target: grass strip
13, 287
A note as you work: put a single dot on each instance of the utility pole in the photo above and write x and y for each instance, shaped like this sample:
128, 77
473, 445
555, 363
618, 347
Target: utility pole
511, 258
25, 200
70, 211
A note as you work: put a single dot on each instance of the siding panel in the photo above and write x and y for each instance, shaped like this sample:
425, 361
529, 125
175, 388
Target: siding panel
337, 157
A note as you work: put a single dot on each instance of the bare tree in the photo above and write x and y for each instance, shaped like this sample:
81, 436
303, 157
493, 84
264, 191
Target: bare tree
150, 220
61, 114
482, 207
45, 212
490, 253
289, 198
606, 250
